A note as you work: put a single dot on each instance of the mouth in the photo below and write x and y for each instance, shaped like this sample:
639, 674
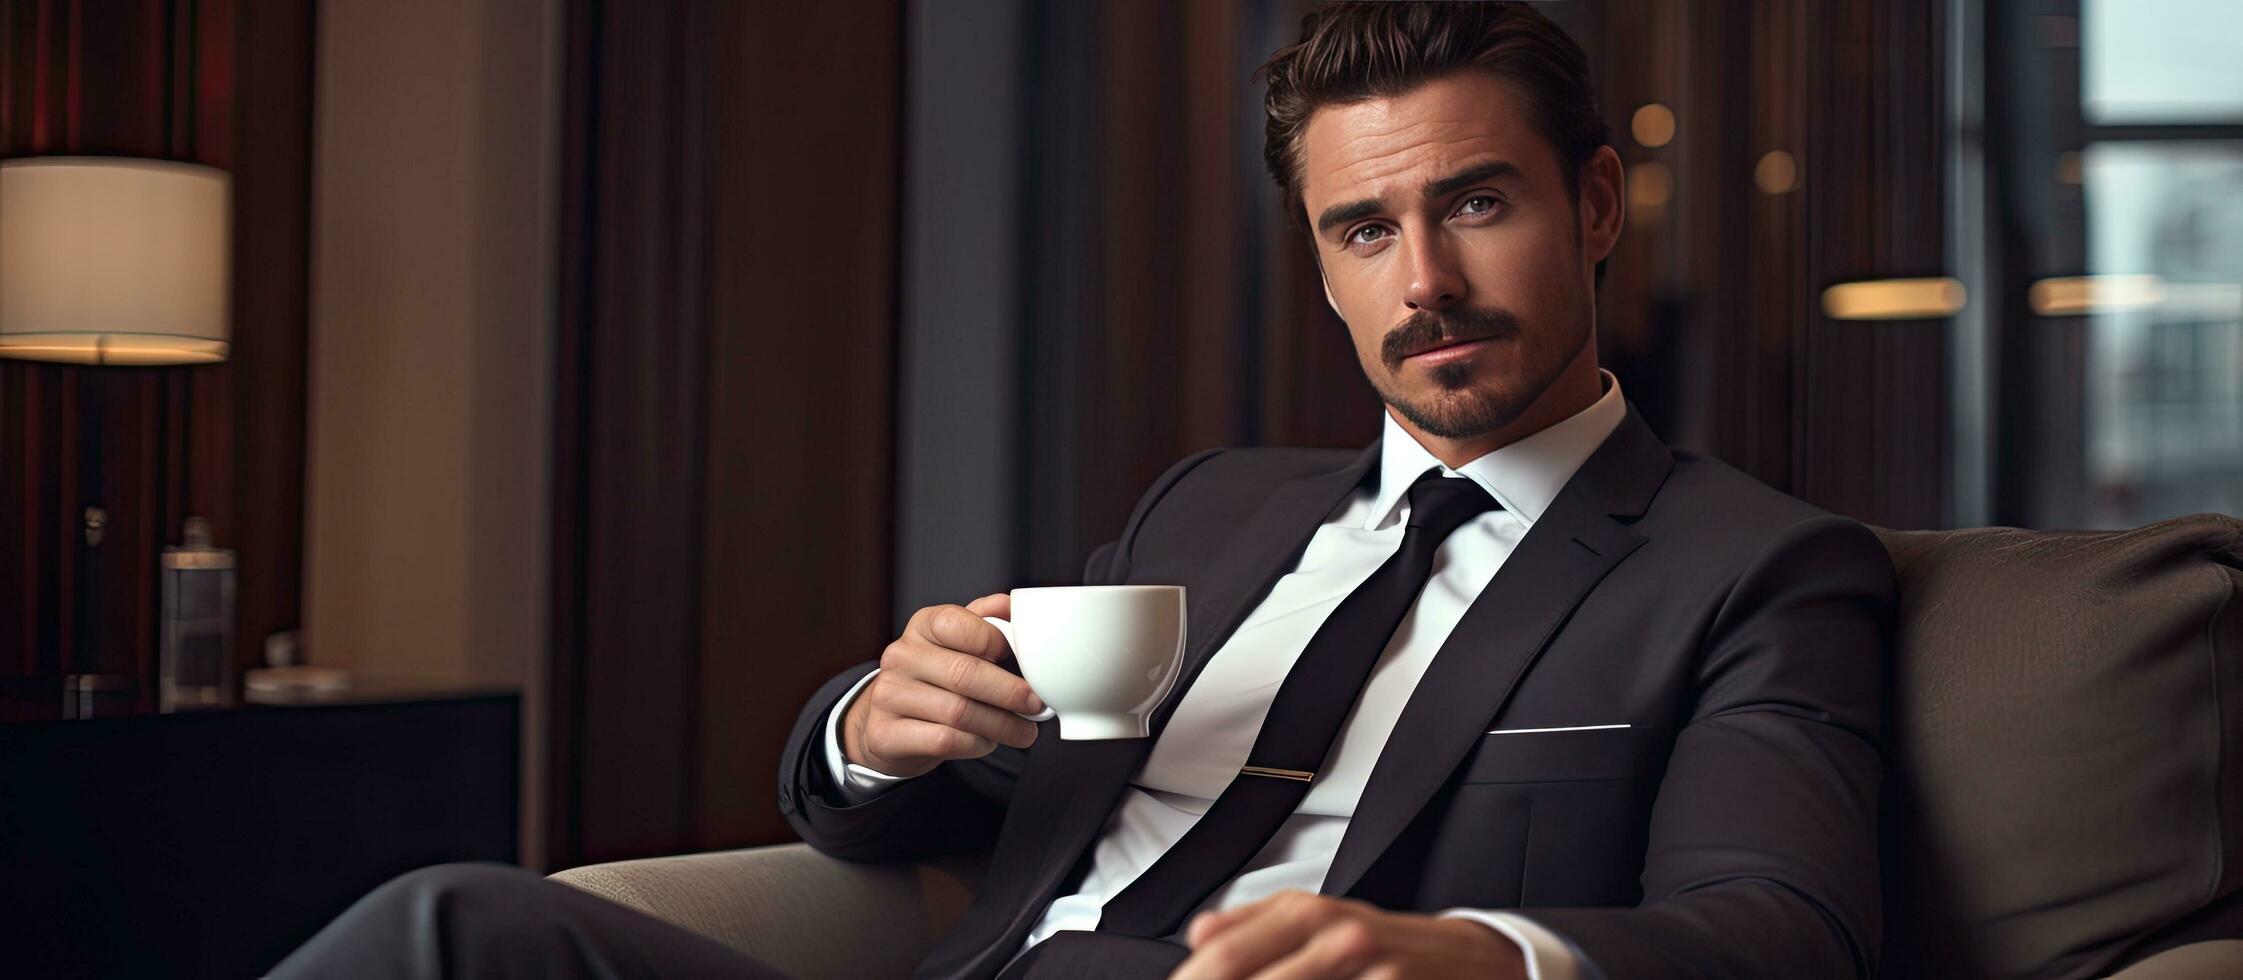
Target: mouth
1436, 339
1455, 348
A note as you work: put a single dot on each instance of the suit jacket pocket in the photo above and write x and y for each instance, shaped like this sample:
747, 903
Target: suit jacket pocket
1561, 756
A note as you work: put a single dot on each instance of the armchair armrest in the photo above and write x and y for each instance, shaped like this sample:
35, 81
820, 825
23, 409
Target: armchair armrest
800, 911
2195, 961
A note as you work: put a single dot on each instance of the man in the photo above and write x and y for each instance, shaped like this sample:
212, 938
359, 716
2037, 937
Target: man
1609, 708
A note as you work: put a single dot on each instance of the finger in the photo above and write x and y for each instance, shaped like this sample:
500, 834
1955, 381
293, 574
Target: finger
1208, 925
955, 628
998, 605
960, 673
911, 738
1344, 948
926, 702
1273, 928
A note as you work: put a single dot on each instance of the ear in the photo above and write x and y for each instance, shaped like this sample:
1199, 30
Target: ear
1603, 207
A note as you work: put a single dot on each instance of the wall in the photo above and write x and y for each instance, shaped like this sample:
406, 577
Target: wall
430, 337
961, 315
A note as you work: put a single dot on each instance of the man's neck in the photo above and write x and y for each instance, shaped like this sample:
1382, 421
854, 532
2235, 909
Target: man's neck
1575, 390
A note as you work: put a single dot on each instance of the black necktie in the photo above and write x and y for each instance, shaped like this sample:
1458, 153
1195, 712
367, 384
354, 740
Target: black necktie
1303, 722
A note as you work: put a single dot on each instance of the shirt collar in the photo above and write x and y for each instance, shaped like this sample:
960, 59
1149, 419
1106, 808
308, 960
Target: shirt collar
1524, 476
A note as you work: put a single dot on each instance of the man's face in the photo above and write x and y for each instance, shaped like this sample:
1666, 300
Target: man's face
1451, 247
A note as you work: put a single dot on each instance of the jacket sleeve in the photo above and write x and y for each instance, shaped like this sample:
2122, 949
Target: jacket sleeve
958, 806
1762, 853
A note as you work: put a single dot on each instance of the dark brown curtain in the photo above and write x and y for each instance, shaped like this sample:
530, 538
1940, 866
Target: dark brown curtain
217, 82
722, 456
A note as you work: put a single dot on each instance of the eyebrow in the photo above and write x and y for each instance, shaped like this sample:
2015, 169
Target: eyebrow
1340, 214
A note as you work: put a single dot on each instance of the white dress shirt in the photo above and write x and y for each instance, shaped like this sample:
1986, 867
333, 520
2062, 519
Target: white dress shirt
1213, 728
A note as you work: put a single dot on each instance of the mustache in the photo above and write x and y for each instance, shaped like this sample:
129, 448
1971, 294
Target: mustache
1427, 329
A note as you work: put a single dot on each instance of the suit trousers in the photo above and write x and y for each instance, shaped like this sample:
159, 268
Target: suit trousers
488, 920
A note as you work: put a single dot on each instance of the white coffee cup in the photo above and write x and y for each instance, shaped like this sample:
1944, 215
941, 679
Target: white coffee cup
1100, 656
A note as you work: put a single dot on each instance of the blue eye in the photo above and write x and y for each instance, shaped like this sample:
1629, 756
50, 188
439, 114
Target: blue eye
1357, 236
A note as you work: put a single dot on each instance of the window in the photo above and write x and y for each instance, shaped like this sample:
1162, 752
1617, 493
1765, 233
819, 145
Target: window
2101, 381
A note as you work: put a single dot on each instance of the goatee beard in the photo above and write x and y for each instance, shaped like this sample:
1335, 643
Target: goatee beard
1463, 411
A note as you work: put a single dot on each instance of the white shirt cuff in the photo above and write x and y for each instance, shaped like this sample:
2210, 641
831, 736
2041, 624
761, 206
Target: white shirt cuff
855, 783
1548, 957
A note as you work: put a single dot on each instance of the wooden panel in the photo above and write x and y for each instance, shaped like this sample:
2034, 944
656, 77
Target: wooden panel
1872, 430
1638, 57
1753, 323
1710, 314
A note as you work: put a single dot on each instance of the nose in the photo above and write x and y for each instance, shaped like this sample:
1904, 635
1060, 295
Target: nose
1435, 281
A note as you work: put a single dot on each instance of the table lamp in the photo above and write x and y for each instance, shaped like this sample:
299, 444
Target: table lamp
124, 261
113, 260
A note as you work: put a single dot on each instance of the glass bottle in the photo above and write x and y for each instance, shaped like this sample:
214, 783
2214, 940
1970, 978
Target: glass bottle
198, 624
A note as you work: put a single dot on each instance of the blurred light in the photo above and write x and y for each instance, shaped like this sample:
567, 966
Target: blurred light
2077, 295
1777, 173
1894, 299
1653, 125
2074, 295
1650, 187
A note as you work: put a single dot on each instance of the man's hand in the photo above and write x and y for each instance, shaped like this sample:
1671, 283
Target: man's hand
1296, 935
940, 694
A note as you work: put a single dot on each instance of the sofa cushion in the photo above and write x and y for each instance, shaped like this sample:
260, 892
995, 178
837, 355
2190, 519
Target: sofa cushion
2065, 744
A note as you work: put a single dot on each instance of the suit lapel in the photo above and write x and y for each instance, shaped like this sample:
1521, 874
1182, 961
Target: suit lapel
1572, 547
1270, 543
1067, 790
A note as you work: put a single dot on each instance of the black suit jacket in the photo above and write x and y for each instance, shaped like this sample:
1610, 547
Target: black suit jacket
1729, 831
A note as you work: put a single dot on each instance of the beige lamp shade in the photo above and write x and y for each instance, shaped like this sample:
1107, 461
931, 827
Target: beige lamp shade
113, 260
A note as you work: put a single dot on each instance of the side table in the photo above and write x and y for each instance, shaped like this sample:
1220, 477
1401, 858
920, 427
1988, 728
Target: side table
211, 843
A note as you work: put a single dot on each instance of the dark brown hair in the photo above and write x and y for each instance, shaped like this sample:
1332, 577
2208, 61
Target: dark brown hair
1351, 51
